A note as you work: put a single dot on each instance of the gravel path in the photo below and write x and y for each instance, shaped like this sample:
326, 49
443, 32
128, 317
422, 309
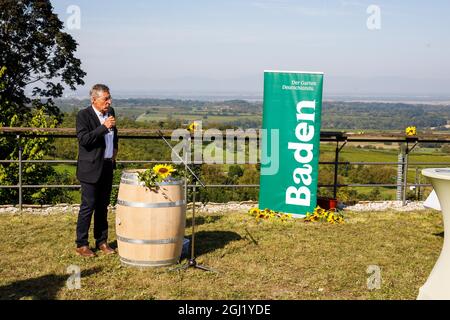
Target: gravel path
364, 206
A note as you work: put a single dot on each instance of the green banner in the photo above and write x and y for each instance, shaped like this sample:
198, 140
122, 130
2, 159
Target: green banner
290, 141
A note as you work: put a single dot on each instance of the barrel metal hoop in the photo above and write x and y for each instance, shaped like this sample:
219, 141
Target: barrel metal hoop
132, 178
142, 241
141, 263
178, 203
131, 182
134, 182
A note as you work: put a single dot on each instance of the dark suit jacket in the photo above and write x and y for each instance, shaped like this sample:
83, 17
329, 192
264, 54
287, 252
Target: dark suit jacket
91, 144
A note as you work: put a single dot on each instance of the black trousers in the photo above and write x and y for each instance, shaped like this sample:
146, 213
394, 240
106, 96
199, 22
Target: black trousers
95, 198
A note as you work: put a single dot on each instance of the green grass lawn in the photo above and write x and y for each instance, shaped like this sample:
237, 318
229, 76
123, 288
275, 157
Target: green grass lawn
268, 260
386, 193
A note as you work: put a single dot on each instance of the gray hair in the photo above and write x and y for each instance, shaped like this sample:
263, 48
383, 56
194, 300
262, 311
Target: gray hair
97, 88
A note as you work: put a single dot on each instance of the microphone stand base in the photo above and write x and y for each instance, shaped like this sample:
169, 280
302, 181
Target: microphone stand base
192, 263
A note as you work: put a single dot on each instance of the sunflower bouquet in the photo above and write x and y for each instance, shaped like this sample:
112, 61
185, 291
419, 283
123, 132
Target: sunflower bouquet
322, 215
158, 173
268, 214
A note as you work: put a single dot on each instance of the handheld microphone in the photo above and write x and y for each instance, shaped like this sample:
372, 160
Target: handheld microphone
109, 115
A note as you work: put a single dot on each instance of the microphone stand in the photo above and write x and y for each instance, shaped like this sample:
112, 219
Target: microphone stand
192, 262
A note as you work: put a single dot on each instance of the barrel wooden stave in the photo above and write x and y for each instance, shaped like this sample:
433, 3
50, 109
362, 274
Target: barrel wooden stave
150, 236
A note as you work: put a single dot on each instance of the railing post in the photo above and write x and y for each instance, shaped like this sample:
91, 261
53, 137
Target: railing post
416, 181
400, 172
405, 176
20, 172
419, 190
185, 147
187, 160
193, 220
336, 167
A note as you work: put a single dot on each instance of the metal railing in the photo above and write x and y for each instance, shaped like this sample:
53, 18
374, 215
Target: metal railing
340, 138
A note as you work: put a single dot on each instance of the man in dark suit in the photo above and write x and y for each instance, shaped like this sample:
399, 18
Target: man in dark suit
97, 151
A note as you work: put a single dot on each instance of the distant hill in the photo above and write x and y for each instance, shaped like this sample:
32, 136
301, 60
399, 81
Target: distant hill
383, 116
242, 113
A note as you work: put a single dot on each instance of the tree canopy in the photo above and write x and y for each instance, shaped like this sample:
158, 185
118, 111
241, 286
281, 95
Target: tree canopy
38, 55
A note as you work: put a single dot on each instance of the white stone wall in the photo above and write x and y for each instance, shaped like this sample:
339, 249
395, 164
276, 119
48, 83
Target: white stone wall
362, 206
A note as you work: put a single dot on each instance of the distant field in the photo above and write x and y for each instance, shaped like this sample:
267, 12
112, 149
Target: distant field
163, 116
351, 153
386, 193
348, 153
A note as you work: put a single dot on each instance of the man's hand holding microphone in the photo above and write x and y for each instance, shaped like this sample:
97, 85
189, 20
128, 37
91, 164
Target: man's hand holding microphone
110, 122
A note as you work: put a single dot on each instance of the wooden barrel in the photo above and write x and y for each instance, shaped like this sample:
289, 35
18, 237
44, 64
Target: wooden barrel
149, 224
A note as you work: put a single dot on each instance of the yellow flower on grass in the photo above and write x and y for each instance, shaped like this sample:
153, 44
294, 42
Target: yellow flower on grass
163, 170
323, 215
268, 214
260, 215
411, 131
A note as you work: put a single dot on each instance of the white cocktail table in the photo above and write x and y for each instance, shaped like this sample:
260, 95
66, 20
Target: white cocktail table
437, 287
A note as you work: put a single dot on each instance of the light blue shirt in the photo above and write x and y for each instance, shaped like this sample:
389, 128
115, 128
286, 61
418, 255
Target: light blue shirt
109, 137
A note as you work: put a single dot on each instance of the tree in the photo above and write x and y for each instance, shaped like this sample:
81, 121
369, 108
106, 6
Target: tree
32, 173
235, 172
35, 54
34, 50
250, 175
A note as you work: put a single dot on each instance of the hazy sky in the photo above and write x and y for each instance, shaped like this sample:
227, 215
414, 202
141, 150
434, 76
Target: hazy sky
184, 46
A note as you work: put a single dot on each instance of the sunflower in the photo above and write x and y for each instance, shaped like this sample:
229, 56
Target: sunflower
321, 215
254, 211
411, 131
261, 215
192, 127
163, 170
